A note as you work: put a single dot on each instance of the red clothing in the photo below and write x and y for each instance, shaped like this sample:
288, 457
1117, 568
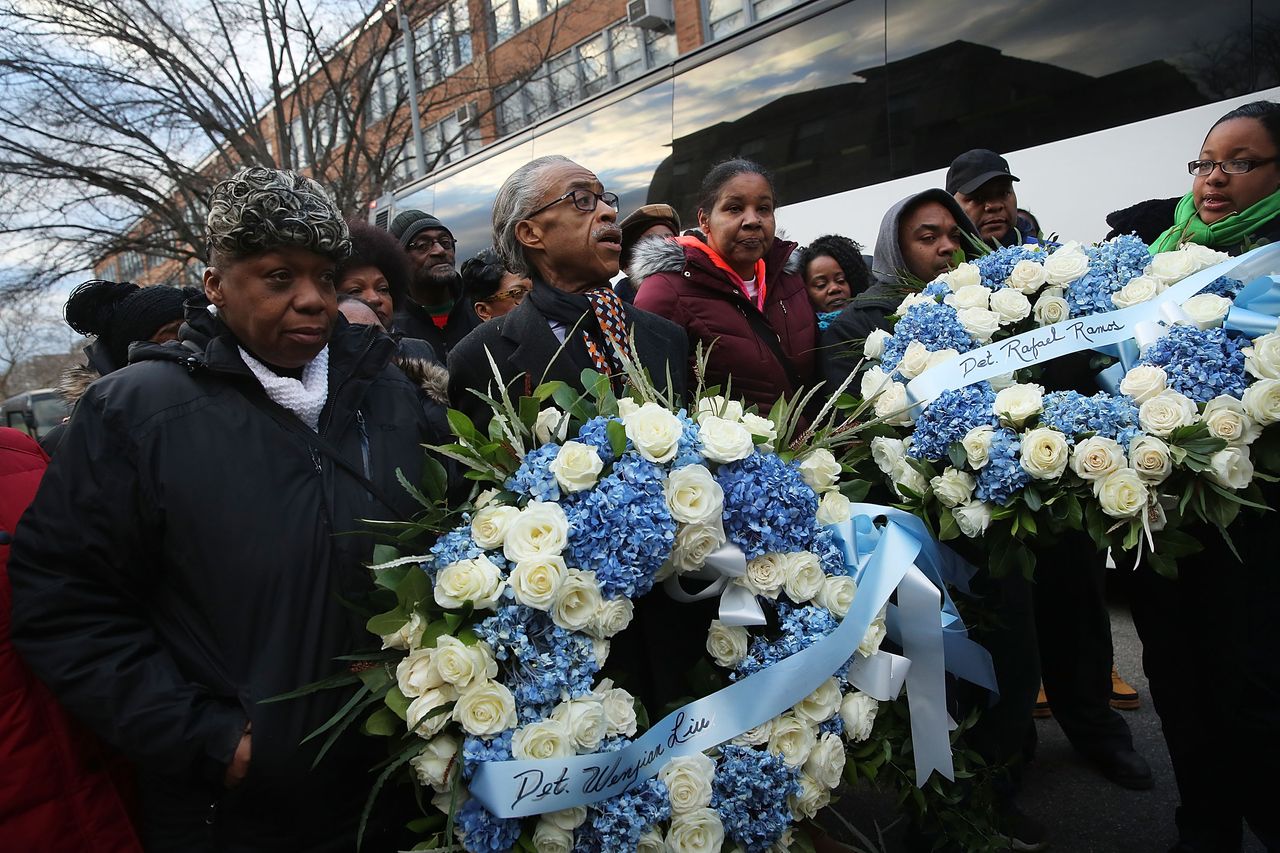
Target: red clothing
55, 792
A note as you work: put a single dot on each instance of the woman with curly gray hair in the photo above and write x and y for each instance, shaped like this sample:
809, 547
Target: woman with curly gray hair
219, 490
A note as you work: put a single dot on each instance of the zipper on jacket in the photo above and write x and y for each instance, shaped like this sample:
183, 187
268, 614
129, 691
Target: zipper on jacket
315, 460
364, 449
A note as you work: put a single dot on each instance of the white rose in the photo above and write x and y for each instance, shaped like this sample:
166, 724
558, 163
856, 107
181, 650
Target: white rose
1139, 289
873, 347
1207, 310
698, 831
1262, 401
763, 430
1162, 413
654, 431
914, 361
1231, 468
485, 709
1065, 265
964, 275
1203, 256
820, 470
892, 404
599, 651
418, 717
906, 476
541, 530
611, 618
627, 406
720, 407
543, 739
973, 518
727, 644
416, 673
1044, 453
577, 601
977, 445
489, 525
1227, 419
874, 380
724, 440
973, 296
536, 581
813, 797
834, 508
551, 425
1015, 404
887, 453
979, 322
577, 466
651, 842
688, 780
874, 637
836, 595
477, 580
486, 497
549, 838
462, 665
619, 708
693, 495
436, 765
571, 818
1144, 382
804, 576
1027, 277
766, 574
694, 543
1003, 381
757, 736
1168, 267
1262, 359
953, 487
584, 720
820, 705
1050, 309
912, 300
1011, 305
826, 761
858, 711
408, 636
1096, 457
1149, 457
1121, 494
940, 356
793, 739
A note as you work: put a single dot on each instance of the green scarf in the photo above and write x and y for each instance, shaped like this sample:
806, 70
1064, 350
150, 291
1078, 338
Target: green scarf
1226, 233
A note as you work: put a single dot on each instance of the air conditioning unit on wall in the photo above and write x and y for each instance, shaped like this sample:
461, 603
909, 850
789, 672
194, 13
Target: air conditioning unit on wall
466, 114
650, 14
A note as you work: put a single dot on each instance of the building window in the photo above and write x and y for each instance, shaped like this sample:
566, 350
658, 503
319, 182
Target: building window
442, 43
447, 141
508, 17
728, 16
389, 88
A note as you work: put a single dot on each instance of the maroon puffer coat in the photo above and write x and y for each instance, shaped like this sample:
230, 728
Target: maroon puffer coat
766, 354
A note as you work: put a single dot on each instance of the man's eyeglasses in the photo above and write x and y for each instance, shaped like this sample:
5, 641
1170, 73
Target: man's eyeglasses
424, 244
584, 200
515, 294
1204, 168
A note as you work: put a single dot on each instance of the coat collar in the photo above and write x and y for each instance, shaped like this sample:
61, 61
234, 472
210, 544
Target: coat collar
536, 350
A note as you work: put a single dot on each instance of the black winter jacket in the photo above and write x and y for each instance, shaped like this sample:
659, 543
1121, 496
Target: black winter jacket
182, 562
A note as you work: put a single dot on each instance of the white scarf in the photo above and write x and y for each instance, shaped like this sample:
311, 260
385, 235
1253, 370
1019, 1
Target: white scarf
305, 398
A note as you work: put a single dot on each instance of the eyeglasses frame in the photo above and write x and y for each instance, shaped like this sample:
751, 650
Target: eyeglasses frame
1221, 164
596, 198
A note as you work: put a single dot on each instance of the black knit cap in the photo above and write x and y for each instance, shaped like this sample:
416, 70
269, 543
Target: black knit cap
119, 313
410, 223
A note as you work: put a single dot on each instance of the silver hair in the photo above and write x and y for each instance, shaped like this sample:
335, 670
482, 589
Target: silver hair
519, 197
257, 209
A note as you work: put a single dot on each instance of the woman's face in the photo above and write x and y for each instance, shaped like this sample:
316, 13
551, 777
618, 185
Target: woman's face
370, 286
511, 292
740, 225
828, 288
281, 304
1217, 195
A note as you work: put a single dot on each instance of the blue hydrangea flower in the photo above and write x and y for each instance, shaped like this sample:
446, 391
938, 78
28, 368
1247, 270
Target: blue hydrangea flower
1224, 286
997, 266
767, 505
1091, 293
476, 751
1074, 414
452, 547
482, 832
534, 477
622, 530
936, 289
936, 325
834, 726
1111, 266
689, 448
950, 417
540, 661
1002, 477
618, 823
829, 554
594, 432
750, 792
1200, 363
798, 628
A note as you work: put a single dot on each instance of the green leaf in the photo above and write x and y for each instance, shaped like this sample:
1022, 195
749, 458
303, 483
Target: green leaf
385, 554
392, 577
341, 679
855, 490
956, 453
413, 490
382, 723
947, 526
1032, 499
463, 427
413, 589
375, 678
435, 478
387, 623
617, 434
397, 702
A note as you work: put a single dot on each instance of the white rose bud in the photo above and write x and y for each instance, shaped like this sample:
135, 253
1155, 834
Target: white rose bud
980, 323
977, 446
941, 356
873, 347
694, 543
551, 425
1227, 419
577, 466
436, 765
1168, 267
543, 739
892, 405
912, 300
727, 644
887, 453
874, 380
600, 651
536, 581
820, 705
757, 736
1231, 468
651, 842
577, 602
724, 440
1121, 494
766, 574
489, 525
1027, 277
549, 838
571, 818
688, 780
836, 595
697, 831
1262, 359
1138, 290
1050, 309
953, 487
477, 580
720, 407
1262, 401
813, 797
654, 431
1096, 457
793, 739
416, 673
1162, 413
804, 576
858, 711
462, 665
915, 360
875, 635
485, 709
964, 275
1149, 457
1065, 265
763, 430
1044, 453
826, 761
1203, 256
972, 296
611, 618
820, 470
906, 476
584, 720
1144, 382
619, 708
973, 518
626, 407
408, 636
1015, 404
1207, 310
541, 530
693, 495
834, 508
418, 717
1011, 305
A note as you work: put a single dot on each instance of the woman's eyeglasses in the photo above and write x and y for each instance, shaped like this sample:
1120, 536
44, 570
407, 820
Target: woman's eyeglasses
584, 200
1204, 168
515, 294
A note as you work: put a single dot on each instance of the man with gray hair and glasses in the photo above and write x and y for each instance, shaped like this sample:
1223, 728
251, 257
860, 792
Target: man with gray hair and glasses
554, 222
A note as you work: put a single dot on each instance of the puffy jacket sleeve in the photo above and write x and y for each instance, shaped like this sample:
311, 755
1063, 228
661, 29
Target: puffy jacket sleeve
84, 557
658, 295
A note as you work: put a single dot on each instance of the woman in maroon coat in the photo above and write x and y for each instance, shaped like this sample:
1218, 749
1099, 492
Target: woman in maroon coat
737, 290
55, 792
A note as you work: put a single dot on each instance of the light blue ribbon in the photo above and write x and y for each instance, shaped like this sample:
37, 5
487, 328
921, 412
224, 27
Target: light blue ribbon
520, 788
1255, 309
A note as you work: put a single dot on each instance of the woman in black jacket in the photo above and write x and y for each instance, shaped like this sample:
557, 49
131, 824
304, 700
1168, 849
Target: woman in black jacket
189, 553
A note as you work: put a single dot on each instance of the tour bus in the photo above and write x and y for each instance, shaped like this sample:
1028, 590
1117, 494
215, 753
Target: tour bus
34, 412
855, 104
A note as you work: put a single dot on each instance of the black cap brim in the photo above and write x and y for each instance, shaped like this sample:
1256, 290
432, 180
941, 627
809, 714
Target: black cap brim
973, 183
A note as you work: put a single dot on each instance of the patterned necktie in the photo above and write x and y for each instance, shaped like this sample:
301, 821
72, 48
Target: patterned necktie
610, 316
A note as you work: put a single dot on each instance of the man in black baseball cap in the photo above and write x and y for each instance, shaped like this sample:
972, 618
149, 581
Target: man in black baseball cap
433, 310
982, 184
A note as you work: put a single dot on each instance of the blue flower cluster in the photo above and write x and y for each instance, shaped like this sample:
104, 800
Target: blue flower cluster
482, 832
834, 726
1091, 293
594, 432
950, 417
618, 823
799, 628
689, 448
767, 505
542, 660
935, 325
1224, 286
1074, 414
1111, 266
936, 289
829, 553
476, 751
1002, 477
750, 793
1201, 364
534, 477
452, 547
622, 528
997, 266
